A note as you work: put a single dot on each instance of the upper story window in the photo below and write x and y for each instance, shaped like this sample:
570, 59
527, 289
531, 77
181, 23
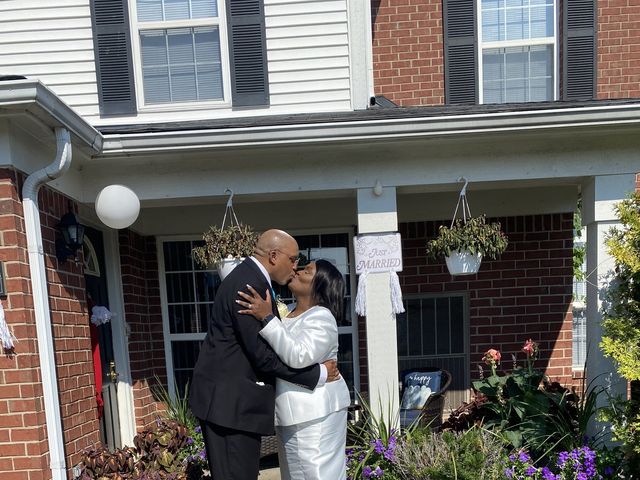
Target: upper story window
517, 51
179, 51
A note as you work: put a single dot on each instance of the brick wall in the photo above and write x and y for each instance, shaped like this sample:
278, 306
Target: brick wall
618, 49
142, 308
526, 293
408, 65
23, 440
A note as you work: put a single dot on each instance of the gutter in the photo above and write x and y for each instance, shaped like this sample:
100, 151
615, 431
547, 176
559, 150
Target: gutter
32, 98
46, 351
369, 129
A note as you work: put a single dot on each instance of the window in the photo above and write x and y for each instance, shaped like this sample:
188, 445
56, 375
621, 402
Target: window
180, 51
188, 294
433, 332
517, 51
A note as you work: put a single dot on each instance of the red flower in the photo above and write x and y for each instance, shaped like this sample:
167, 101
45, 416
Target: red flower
530, 348
492, 357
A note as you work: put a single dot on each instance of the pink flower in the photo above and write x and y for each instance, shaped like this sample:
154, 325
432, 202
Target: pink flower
492, 357
530, 348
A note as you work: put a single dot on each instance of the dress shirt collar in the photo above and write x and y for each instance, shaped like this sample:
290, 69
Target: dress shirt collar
262, 269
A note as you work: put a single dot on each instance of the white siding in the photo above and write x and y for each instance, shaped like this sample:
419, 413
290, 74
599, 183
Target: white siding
51, 40
307, 52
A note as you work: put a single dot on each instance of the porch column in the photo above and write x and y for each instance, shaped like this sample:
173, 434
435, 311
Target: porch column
600, 194
378, 214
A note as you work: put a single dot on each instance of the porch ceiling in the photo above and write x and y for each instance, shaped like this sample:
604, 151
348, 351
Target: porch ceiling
412, 163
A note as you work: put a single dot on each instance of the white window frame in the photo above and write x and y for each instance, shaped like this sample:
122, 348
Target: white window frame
173, 337
220, 21
519, 43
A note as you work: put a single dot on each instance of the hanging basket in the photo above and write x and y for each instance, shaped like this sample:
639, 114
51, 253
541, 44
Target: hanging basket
224, 267
227, 246
463, 263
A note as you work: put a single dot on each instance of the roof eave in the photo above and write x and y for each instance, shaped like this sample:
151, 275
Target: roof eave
31, 98
371, 129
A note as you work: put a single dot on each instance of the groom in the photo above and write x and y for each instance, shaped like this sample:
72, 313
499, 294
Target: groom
233, 386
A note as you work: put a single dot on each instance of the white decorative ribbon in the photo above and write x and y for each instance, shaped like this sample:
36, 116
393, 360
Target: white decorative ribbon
100, 315
361, 295
6, 337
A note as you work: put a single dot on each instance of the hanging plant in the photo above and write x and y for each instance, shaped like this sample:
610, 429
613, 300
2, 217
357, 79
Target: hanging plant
467, 240
221, 243
475, 236
226, 246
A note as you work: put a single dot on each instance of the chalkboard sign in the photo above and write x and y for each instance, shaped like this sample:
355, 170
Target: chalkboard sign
418, 387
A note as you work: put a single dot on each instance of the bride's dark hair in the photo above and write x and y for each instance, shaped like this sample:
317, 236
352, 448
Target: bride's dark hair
328, 289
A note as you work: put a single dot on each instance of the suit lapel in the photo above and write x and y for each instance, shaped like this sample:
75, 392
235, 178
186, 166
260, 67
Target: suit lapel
251, 264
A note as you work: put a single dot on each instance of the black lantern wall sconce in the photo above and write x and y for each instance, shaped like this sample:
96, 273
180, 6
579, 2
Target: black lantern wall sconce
72, 233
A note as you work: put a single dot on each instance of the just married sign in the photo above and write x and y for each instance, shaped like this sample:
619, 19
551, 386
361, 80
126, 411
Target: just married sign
378, 253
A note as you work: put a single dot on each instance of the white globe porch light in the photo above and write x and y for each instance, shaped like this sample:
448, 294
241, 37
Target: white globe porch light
117, 206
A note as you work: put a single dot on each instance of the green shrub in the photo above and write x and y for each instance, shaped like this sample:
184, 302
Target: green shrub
475, 454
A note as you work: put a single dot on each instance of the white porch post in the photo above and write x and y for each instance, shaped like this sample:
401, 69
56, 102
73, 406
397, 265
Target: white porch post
378, 214
600, 195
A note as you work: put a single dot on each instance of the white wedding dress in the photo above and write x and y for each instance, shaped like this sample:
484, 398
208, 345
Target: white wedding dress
311, 425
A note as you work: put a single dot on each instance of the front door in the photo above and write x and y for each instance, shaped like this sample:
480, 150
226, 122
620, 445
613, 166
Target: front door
96, 282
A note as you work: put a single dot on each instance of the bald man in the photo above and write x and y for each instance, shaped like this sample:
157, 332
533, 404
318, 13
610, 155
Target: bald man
233, 387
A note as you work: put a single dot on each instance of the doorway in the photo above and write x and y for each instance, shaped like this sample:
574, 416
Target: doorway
97, 296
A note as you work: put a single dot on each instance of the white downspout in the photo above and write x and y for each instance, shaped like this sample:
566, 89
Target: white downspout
44, 329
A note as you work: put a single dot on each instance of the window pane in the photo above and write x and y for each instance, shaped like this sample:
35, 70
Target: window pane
185, 355
182, 319
519, 74
517, 24
429, 326
345, 360
457, 325
172, 61
493, 25
149, 10
166, 10
414, 326
517, 19
177, 256
442, 325
179, 287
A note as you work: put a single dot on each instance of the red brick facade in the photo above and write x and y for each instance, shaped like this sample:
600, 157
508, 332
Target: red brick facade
526, 293
618, 49
142, 309
408, 58
23, 438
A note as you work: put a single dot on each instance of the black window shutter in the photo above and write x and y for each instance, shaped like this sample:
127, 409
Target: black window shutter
248, 53
579, 50
114, 63
460, 52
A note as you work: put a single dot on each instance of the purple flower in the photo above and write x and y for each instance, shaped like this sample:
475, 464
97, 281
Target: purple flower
582, 476
189, 440
198, 429
563, 457
377, 445
378, 472
202, 454
530, 471
509, 472
390, 455
608, 471
523, 457
366, 472
548, 474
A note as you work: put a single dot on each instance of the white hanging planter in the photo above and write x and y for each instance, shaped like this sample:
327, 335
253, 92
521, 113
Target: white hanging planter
463, 263
225, 266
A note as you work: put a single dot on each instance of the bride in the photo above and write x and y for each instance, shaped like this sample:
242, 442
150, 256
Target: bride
311, 426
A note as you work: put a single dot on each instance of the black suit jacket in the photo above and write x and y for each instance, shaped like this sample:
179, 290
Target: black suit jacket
233, 381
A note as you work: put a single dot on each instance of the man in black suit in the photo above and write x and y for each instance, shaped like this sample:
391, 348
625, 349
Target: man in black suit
233, 386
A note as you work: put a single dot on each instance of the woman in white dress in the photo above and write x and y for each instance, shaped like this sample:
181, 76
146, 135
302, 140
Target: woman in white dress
311, 426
